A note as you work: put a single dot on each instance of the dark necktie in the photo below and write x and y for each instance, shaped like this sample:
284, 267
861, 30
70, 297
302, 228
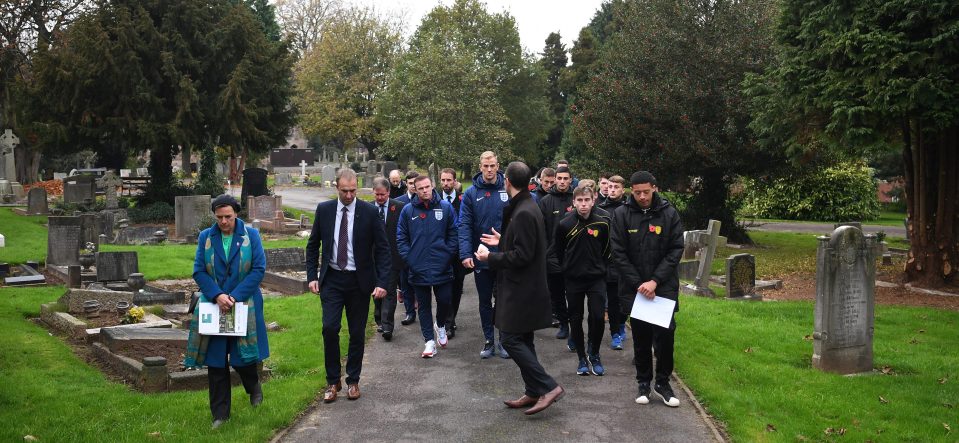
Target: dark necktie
449, 198
383, 213
341, 254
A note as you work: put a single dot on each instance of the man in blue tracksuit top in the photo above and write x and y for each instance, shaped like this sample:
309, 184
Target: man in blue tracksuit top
426, 239
480, 213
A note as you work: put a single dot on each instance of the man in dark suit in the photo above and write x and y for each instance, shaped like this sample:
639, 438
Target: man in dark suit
522, 297
409, 299
355, 264
452, 192
388, 211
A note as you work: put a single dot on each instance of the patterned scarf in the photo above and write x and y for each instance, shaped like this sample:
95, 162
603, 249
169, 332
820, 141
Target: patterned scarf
197, 344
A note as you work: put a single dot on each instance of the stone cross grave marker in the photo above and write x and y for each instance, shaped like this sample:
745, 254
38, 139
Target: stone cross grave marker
114, 266
37, 201
302, 168
845, 300
109, 183
188, 209
8, 167
701, 285
741, 277
63, 241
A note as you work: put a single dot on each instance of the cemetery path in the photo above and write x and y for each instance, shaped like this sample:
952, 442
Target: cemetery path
456, 396
824, 228
304, 199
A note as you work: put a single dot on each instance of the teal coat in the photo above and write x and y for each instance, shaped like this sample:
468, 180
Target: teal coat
228, 281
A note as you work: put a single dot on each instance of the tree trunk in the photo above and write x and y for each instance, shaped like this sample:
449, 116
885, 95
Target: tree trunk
28, 163
185, 154
932, 194
711, 201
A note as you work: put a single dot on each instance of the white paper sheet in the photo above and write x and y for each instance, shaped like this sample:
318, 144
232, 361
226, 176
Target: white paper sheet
658, 311
210, 320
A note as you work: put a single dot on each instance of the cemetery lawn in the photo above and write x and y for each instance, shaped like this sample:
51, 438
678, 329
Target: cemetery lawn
51, 393
25, 237
777, 254
750, 365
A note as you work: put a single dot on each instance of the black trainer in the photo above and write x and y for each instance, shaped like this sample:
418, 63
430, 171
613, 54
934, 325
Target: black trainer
665, 392
643, 396
563, 331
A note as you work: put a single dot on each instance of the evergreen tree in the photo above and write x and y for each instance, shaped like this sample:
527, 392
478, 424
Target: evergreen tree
554, 63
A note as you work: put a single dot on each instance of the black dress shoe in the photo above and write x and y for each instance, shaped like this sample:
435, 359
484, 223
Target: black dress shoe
387, 335
450, 333
410, 318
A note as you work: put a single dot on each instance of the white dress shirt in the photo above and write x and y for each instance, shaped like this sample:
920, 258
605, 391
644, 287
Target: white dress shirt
351, 214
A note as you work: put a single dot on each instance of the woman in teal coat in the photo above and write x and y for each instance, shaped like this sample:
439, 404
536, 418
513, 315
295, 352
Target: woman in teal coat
228, 268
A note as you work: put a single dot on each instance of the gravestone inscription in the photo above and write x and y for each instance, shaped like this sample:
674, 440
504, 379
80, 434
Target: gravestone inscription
845, 296
281, 259
63, 241
741, 277
188, 210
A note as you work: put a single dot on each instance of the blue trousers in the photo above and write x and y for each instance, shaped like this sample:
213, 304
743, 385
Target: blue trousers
485, 280
425, 310
409, 297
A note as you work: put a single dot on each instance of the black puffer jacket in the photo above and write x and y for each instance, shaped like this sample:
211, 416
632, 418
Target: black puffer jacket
554, 207
647, 245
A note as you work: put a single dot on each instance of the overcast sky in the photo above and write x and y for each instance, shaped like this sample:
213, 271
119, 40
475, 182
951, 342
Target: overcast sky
535, 18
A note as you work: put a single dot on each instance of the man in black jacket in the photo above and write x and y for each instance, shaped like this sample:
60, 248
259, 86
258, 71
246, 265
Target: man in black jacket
647, 244
388, 209
617, 320
397, 185
521, 301
554, 207
581, 246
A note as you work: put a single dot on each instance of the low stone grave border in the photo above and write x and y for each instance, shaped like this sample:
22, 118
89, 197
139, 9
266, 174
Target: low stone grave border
284, 284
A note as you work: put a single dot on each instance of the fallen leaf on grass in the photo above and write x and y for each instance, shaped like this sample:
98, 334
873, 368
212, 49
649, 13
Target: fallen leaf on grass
887, 370
770, 428
883, 400
748, 350
30, 438
831, 430
807, 337
154, 434
943, 380
913, 341
947, 405
948, 429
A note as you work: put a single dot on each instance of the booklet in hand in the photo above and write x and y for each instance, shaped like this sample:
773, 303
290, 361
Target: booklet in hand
214, 322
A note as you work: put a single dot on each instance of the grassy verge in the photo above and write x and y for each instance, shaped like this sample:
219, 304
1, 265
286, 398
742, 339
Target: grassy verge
50, 393
777, 253
886, 218
749, 363
25, 237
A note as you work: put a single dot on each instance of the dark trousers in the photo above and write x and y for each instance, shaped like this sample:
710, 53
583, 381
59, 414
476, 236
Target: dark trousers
485, 280
409, 297
341, 290
593, 292
221, 389
557, 295
425, 310
614, 307
646, 337
384, 310
459, 274
521, 349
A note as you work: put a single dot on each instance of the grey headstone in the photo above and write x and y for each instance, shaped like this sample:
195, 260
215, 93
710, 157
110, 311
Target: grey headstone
76, 188
285, 259
113, 266
110, 182
105, 223
143, 172
740, 275
188, 211
60, 175
282, 179
388, 166
701, 285
845, 301
125, 173
88, 229
37, 201
854, 224
63, 241
8, 166
264, 207
138, 235
328, 173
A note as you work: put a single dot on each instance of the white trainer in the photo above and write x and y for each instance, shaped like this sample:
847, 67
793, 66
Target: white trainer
430, 350
441, 333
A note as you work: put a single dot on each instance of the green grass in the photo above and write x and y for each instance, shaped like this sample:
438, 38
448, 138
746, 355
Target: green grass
50, 393
777, 254
774, 382
886, 218
25, 237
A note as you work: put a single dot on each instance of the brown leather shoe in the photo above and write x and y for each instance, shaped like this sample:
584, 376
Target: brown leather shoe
352, 391
546, 400
329, 396
521, 402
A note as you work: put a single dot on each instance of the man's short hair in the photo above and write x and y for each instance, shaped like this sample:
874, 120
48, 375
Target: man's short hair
618, 179
486, 155
345, 174
587, 183
412, 174
518, 174
420, 178
582, 189
605, 175
395, 171
381, 183
562, 162
547, 172
449, 171
563, 170
640, 177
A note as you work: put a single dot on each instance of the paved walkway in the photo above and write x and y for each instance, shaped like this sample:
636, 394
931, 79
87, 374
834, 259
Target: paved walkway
824, 228
456, 396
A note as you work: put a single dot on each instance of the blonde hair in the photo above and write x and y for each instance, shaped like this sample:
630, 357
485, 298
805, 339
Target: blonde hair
486, 155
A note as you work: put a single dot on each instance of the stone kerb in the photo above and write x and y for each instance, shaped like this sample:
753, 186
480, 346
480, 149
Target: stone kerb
73, 299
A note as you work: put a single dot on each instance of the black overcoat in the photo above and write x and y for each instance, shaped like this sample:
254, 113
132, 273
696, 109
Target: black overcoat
522, 297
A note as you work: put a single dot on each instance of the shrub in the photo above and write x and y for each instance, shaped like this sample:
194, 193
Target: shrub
158, 212
846, 191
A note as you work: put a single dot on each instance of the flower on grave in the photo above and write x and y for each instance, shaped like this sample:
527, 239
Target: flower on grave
90, 247
134, 315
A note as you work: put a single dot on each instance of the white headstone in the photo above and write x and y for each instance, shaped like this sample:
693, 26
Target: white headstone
8, 167
302, 168
125, 173
3, 241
